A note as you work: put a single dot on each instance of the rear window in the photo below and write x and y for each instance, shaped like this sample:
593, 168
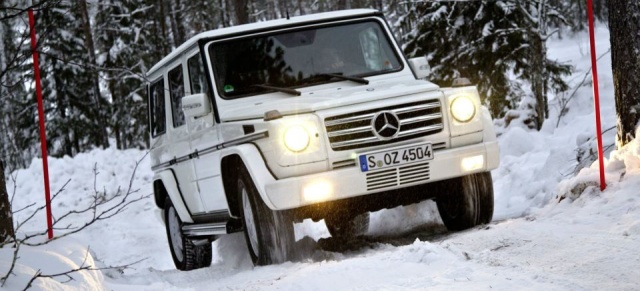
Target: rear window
176, 90
156, 108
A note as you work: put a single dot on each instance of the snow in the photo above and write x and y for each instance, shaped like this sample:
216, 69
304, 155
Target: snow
552, 229
56, 257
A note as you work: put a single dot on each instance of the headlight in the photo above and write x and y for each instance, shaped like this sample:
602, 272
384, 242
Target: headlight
463, 109
296, 138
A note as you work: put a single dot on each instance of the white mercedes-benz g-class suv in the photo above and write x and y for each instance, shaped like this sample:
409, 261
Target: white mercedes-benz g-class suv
256, 127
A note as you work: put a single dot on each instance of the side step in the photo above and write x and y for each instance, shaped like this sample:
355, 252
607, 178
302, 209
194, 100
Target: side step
205, 229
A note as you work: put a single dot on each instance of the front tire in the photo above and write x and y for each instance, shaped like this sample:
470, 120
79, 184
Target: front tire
269, 234
350, 227
186, 255
466, 201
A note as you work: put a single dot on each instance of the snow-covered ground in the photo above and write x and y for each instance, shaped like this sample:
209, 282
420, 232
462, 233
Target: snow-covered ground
552, 230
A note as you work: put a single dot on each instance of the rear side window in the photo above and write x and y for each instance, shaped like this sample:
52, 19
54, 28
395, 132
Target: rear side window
176, 90
156, 107
196, 75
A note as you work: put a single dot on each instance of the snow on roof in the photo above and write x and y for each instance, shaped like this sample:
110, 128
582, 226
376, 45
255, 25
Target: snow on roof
259, 26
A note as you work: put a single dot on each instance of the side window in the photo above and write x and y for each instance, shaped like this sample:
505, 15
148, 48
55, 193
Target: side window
197, 76
176, 90
156, 107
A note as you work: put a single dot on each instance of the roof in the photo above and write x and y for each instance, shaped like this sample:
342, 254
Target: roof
260, 26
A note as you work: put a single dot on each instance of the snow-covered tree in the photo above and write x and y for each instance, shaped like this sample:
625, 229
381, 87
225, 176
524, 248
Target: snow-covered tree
486, 42
123, 43
542, 73
16, 108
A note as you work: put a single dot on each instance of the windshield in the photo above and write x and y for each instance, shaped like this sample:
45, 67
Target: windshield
247, 66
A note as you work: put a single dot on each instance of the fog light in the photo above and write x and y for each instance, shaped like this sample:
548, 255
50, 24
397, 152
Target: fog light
472, 163
317, 192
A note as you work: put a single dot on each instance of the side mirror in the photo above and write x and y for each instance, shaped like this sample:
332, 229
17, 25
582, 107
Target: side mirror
196, 105
420, 67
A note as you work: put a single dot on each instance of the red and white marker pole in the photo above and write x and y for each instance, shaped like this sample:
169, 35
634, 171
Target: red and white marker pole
596, 94
43, 134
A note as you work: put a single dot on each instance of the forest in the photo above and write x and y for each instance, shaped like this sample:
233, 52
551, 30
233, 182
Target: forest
94, 56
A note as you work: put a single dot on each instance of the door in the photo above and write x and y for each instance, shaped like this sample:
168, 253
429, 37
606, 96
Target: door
180, 144
204, 135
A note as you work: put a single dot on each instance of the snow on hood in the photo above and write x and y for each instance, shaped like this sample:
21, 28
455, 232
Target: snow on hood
320, 97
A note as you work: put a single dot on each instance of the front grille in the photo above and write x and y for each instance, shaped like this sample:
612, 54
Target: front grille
354, 130
413, 173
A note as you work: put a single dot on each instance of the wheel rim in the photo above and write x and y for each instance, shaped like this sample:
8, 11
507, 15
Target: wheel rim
175, 234
249, 222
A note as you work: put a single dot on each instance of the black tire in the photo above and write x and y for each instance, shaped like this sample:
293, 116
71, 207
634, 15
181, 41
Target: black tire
188, 256
348, 227
466, 201
272, 230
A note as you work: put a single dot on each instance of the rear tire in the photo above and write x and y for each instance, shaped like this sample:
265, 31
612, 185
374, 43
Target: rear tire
269, 233
186, 255
341, 227
467, 201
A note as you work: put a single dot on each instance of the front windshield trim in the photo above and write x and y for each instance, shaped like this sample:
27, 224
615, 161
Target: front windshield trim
393, 45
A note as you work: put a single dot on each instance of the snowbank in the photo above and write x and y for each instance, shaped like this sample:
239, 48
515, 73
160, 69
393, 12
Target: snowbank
54, 258
135, 234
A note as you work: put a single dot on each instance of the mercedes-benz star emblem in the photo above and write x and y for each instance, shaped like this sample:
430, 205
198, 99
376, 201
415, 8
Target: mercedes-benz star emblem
386, 125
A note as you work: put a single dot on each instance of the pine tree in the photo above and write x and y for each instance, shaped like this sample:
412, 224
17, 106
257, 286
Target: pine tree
472, 41
542, 73
124, 45
15, 108
74, 120
485, 42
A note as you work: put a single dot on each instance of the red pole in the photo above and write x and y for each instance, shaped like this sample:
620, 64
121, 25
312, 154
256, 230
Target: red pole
596, 93
43, 134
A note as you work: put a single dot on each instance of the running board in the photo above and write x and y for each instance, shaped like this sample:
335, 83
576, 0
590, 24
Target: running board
205, 229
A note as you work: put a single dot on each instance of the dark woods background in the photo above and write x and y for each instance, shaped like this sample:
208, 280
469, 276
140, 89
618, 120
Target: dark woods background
94, 55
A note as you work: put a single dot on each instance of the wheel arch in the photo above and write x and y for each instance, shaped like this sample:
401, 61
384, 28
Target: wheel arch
248, 156
165, 185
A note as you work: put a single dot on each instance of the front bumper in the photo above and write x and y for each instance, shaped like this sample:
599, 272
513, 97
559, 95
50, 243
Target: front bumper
338, 184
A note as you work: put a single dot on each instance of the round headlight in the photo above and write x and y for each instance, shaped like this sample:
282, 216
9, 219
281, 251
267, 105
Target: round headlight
463, 109
296, 138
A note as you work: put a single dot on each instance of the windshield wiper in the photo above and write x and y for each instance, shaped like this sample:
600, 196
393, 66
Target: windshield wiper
348, 78
280, 89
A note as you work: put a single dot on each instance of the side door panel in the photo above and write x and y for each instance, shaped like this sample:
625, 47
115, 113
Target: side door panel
180, 144
205, 134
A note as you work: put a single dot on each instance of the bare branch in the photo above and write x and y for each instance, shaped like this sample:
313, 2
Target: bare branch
13, 262
83, 267
565, 102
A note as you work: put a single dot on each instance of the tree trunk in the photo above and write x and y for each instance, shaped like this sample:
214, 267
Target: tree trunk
163, 28
342, 4
179, 26
95, 83
538, 56
624, 25
6, 219
242, 11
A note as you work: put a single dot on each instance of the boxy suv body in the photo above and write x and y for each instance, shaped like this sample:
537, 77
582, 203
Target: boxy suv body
258, 126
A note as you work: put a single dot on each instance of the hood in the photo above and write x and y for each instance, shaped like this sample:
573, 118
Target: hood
320, 97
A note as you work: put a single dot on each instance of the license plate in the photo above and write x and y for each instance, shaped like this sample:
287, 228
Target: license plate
394, 158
